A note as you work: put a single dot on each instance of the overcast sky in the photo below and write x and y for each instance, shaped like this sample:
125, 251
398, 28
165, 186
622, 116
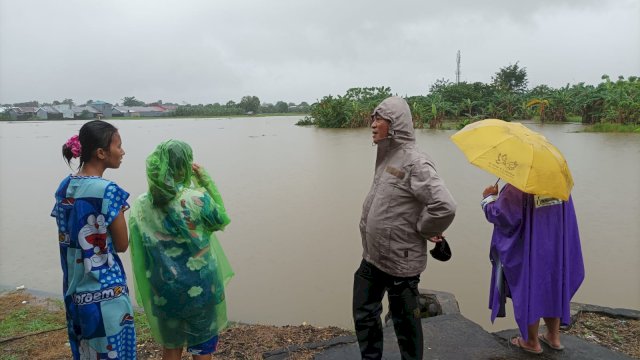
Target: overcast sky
206, 51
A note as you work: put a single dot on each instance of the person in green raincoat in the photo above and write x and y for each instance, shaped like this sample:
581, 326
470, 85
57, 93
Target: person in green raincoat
180, 269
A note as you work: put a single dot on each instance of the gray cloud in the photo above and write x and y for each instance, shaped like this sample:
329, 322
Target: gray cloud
204, 51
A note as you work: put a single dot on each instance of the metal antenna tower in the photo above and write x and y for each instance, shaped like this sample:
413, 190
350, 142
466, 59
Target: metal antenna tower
458, 68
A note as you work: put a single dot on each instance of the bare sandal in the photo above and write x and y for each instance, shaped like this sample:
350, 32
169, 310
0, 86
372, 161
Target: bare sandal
518, 343
543, 339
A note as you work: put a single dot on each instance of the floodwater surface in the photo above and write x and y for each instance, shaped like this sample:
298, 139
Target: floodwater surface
294, 195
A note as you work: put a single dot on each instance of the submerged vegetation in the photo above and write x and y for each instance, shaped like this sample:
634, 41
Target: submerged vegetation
609, 127
609, 106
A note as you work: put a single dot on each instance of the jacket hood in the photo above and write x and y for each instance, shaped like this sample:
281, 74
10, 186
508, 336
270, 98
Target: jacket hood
396, 110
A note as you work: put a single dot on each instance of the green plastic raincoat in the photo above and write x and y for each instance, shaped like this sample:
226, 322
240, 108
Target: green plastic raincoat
179, 267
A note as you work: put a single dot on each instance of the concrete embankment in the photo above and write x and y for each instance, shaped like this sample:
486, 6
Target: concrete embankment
450, 336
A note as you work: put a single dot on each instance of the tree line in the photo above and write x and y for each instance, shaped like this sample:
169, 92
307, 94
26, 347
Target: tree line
247, 105
507, 97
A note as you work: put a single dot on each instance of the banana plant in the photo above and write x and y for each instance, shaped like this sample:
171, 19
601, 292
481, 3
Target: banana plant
541, 105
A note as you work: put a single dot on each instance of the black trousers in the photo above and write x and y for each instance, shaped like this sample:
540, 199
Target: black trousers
369, 286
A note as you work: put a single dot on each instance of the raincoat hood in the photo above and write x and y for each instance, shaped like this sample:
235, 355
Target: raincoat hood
397, 111
180, 269
169, 170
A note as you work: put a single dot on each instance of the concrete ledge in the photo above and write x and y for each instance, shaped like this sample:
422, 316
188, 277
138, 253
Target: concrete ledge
433, 303
449, 335
577, 308
575, 349
282, 354
438, 302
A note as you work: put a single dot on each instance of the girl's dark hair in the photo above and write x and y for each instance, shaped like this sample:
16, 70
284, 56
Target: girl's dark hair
94, 135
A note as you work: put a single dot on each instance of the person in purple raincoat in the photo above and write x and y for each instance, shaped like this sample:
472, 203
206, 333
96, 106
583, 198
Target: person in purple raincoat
537, 262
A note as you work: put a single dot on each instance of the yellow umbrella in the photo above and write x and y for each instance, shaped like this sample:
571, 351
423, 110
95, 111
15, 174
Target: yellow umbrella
520, 156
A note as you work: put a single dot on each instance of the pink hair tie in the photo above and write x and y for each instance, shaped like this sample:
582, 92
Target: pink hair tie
74, 144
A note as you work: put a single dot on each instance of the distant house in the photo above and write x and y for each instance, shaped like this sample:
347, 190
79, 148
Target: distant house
85, 112
23, 113
167, 108
140, 111
50, 113
116, 112
65, 110
41, 113
103, 108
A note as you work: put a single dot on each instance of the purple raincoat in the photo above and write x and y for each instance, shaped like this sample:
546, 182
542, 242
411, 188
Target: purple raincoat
536, 243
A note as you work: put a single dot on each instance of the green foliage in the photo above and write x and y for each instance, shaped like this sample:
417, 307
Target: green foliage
209, 110
420, 110
511, 105
132, 101
540, 105
615, 102
351, 110
331, 112
621, 103
463, 123
307, 120
250, 104
33, 103
281, 107
511, 78
609, 127
439, 108
65, 101
266, 108
559, 105
461, 92
303, 107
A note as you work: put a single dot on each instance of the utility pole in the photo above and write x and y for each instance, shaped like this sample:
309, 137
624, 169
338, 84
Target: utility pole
458, 68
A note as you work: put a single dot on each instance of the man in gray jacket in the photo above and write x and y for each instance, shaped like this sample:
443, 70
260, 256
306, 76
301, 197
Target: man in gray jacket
407, 205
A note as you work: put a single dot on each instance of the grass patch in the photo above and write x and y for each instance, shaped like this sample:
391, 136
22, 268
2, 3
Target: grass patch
608, 127
28, 321
143, 331
9, 357
23, 319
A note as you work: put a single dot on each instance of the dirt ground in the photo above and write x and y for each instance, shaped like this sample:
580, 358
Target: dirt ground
236, 342
622, 335
246, 341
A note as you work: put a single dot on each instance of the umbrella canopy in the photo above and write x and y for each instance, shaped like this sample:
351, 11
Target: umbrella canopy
518, 155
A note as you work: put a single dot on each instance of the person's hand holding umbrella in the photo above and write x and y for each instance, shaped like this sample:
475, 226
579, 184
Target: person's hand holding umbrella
491, 190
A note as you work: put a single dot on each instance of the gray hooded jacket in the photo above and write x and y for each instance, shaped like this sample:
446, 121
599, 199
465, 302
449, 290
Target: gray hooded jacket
407, 203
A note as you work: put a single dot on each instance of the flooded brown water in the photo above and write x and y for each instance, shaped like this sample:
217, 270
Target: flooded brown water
294, 195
